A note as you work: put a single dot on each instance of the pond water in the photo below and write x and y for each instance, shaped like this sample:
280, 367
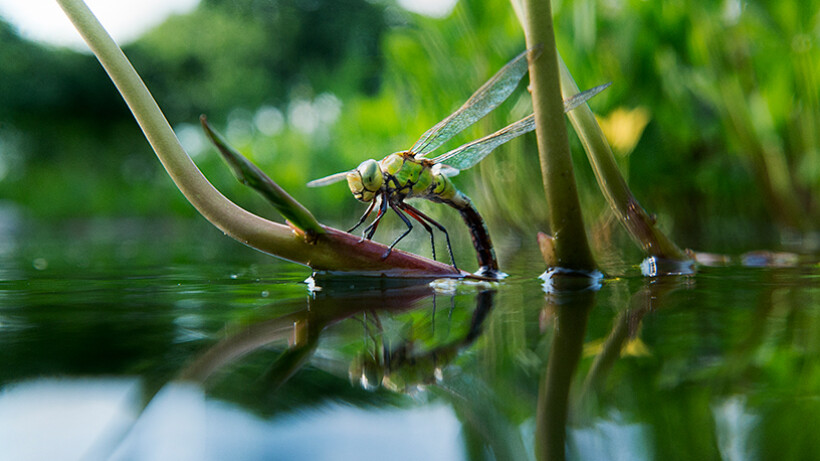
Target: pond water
128, 340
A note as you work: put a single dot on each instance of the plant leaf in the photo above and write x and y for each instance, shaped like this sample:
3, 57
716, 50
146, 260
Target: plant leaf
250, 175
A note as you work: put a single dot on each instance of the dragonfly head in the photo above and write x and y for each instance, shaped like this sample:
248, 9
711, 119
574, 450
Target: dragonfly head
366, 180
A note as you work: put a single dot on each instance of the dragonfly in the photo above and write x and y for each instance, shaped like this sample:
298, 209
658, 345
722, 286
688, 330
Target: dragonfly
409, 174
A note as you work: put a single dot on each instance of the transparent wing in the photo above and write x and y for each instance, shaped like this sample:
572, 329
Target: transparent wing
469, 154
481, 103
584, 96
334, 178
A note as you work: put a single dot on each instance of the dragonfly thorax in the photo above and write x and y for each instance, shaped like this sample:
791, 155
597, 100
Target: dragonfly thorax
406, 176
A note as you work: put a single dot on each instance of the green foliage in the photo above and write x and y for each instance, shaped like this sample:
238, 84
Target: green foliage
229, 54
60, 109
728, 159
727, 86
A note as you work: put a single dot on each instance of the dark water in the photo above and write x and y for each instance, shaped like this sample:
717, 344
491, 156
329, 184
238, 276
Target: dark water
131, 341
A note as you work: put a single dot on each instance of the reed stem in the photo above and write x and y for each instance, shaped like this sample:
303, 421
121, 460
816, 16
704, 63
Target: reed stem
570, 246
640, 225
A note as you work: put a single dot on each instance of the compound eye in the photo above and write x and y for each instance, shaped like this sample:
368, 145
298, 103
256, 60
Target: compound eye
371, 175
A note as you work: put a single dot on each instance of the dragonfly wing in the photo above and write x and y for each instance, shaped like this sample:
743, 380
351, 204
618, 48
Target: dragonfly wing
471, 153
584, 96
334, 178
482, 102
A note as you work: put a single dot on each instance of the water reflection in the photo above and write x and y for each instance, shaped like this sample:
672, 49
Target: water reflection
570, 311
404, 363
170, 426
571, 384
723, 363
405, 368
626, 325
301, 329
609, 434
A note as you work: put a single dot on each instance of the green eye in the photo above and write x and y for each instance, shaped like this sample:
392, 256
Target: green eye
371, 175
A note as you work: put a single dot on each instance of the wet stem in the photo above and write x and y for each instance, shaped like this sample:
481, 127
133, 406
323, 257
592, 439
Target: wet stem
570, 246
550, 72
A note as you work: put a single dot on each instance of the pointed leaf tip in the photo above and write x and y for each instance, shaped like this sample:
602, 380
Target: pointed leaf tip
249, 174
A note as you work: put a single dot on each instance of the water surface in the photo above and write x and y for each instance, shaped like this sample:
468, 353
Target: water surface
129, 340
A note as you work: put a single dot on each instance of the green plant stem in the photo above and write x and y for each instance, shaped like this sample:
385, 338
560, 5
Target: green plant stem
638, 223
333, 251
571, 248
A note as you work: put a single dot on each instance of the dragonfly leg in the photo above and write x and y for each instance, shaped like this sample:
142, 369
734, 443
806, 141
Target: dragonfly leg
413, 211
398, 239
368, 231
414, 214
364, 216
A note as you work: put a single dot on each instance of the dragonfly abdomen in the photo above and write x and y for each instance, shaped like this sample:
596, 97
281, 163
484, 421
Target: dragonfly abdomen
487, 262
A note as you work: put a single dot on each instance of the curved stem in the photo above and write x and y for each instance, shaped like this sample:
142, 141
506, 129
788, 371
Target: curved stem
635, 219
333, 251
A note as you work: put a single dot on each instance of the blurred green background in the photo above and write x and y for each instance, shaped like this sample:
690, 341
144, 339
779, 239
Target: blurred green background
713, 112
